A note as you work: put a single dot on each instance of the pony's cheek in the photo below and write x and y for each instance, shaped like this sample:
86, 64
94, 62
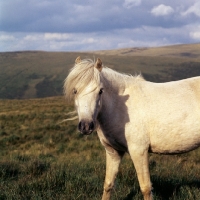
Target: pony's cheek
100, 103
77, 107
98, 107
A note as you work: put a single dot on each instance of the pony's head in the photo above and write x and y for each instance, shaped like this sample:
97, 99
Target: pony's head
85, 87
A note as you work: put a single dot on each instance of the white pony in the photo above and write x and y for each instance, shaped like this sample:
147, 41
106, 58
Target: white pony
134, 116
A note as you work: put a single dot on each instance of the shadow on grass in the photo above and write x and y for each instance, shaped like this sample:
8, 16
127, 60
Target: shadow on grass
166, 189
131, 195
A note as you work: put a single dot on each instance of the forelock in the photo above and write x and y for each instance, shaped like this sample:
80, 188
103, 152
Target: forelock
80, 76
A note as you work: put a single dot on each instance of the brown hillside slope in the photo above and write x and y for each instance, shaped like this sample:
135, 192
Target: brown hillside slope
36, 74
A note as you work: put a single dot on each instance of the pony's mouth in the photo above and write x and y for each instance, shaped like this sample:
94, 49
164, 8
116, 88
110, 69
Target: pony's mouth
86, 128
86, 132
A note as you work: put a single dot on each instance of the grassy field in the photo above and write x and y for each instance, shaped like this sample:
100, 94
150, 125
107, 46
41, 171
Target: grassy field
42, 157
32, 74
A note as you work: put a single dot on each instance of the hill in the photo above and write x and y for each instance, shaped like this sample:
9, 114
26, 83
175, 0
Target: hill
36, 74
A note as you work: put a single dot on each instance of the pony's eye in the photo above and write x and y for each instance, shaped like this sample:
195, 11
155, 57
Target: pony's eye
101, 91
74, 91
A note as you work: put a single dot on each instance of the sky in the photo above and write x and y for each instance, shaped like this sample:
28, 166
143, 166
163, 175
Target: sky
87, 25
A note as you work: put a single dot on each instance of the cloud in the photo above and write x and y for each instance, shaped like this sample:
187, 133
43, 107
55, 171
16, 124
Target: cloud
56, 36
194, 9
130, 3
5, 37
32, 38
91, 25
195, 35
162, 10
145, 36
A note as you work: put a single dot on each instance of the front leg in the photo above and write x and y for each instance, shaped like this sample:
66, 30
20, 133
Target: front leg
141, 163
113, 159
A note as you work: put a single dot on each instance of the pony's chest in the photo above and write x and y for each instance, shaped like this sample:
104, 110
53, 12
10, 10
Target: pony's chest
114, 140
118, 144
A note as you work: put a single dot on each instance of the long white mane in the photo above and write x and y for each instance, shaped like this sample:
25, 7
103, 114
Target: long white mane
84, 73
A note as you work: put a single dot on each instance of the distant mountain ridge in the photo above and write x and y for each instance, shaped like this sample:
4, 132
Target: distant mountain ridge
37, 74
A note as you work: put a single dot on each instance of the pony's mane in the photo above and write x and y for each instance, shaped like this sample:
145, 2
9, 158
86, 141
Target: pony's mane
84, 73
80, 76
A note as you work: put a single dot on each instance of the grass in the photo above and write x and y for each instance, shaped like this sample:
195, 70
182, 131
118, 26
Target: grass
41, 158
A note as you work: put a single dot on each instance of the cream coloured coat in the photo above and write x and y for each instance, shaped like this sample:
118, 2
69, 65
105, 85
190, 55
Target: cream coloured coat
134, 116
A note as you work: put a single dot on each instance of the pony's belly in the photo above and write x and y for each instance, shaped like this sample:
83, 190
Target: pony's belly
178, 134
175, 145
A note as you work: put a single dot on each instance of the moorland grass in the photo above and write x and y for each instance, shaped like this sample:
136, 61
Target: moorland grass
41, 158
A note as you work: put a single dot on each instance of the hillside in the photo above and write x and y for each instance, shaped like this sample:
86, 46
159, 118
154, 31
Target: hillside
36, 74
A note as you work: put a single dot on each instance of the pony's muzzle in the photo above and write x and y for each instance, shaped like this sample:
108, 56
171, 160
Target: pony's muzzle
86, 128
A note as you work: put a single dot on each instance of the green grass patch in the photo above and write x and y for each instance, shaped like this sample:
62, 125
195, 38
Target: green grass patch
41, 158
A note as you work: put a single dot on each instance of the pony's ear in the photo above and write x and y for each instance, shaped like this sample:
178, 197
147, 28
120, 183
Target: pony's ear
98, 64
78, 60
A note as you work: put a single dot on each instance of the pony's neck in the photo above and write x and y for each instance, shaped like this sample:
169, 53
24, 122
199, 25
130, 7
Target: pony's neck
114, 98
115, 82
113, 114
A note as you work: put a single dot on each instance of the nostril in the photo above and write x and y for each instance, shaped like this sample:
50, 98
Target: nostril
80, 126
91, 127
86, 127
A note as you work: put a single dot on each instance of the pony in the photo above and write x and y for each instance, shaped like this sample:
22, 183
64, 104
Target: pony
134, 116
